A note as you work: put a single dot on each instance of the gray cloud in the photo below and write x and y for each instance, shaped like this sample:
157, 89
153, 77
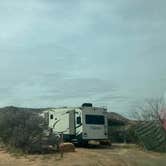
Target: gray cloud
67, 52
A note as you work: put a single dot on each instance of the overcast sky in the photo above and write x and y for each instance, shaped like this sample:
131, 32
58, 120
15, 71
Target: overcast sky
66, 52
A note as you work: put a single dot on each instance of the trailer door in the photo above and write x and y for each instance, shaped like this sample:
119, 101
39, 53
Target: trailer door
72, 129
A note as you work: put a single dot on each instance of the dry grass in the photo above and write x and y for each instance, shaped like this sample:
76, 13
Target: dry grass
118, 155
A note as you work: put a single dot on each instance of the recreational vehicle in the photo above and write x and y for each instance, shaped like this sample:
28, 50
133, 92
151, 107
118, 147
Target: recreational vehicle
79, 124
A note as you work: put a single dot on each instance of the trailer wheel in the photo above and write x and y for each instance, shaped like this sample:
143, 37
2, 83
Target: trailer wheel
106, 142
83, 143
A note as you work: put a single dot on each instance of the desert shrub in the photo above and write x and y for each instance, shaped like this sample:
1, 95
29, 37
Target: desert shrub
21, 130
123, 133
131, 135
116, 133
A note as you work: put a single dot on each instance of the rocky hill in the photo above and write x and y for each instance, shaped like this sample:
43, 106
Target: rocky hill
13, 108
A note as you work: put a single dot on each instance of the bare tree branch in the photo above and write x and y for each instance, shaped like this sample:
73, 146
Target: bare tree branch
150, 110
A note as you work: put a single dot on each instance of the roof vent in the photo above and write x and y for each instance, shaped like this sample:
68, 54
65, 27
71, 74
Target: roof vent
87, 105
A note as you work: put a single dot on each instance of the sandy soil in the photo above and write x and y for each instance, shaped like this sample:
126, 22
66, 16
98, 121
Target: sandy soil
118, 155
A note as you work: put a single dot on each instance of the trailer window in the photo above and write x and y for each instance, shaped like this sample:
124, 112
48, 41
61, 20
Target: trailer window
94, 119
79, 120
51, 116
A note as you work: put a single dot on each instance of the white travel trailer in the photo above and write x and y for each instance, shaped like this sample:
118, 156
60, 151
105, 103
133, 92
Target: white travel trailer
79, 124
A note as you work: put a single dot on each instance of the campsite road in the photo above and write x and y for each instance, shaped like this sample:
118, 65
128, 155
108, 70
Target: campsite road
118, 155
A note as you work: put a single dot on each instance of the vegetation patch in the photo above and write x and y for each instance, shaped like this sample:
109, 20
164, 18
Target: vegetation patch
22, 131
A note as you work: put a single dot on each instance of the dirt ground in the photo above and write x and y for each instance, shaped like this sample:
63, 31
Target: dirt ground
117, 155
